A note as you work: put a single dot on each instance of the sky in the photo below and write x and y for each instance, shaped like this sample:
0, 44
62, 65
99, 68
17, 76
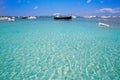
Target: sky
65, 7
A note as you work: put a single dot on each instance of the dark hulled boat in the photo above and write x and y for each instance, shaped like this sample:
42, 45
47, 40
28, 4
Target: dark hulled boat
23, 17
65, 18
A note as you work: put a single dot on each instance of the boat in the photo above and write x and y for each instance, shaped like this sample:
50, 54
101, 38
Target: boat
63, 17
74, 16
114, 16
89, 17
103, 24
24, 17
105, 17
11, 19
32, 17
3, 18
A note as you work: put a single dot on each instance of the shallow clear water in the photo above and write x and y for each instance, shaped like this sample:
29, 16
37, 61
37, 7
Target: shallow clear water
45, 49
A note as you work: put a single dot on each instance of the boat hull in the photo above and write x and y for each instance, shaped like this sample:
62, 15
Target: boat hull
64, 18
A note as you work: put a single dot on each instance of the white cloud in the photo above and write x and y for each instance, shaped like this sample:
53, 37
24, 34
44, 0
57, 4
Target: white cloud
109, 10
89, 1
36, 7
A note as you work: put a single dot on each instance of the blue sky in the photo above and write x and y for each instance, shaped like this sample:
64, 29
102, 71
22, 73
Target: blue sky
65, 7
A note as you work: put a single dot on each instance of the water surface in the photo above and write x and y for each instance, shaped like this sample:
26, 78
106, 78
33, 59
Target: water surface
47, 49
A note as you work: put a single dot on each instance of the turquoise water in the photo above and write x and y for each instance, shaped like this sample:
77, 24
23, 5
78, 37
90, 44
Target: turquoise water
46, 49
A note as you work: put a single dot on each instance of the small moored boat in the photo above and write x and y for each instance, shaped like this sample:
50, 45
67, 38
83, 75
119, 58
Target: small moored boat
61, 17
103, 24
24, 17
32, 17
11, 19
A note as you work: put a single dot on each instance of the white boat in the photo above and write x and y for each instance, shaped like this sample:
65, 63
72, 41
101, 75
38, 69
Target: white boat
32, 17
3, 18
74, 16
105, 17
114, 16
103, 24
11, 19
88, 17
